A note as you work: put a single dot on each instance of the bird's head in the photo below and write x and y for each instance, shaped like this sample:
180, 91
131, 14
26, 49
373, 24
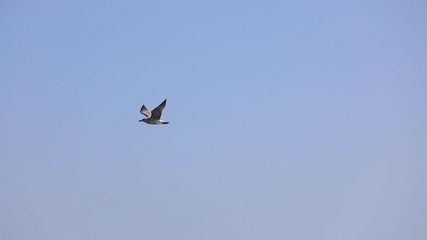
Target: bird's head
143, 120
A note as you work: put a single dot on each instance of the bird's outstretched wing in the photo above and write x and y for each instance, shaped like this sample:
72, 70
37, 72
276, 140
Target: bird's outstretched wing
157, 112
144, 111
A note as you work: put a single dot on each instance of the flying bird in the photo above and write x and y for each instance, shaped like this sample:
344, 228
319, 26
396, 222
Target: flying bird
153, 117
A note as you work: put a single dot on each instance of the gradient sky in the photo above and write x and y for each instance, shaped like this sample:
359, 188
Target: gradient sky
289, 120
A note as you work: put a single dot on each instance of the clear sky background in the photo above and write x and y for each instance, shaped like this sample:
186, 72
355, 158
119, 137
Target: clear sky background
289, 120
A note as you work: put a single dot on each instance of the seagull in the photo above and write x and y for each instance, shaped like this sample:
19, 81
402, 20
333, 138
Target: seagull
153, 117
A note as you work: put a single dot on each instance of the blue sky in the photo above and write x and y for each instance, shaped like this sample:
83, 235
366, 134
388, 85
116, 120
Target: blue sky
289, 120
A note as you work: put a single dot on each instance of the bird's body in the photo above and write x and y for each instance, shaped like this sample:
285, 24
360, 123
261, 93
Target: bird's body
153, 117
153, 121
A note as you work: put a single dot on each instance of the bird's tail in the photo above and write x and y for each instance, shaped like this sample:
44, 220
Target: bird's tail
165, 122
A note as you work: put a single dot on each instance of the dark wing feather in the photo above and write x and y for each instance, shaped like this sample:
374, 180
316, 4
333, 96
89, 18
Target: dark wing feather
144, 111
157, 112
